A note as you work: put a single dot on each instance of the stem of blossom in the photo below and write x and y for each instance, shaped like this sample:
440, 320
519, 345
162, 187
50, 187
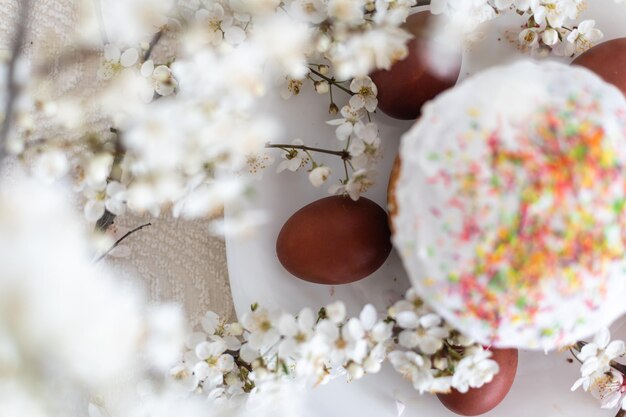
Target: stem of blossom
421, 3
331, 81
16, 50
343, 154
108, 218
120, 240
621, 413
153, 42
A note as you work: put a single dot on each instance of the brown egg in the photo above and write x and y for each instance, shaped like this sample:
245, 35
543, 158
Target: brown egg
608, 60
409, 83
335, 240
478, 401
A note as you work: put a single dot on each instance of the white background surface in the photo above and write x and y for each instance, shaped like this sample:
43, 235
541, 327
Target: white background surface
542, 384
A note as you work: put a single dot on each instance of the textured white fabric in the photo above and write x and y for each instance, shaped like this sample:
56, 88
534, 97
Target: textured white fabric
178, 260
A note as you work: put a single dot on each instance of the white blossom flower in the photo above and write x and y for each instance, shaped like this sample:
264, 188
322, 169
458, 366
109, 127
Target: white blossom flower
346, 125
293, 158
53, 299
291, 87
360, 181
362, 52
287, 58
258, 162
423, 332
98, 170
529, 37
218, 25
213, 364
347, 343
551, 12
364, 148
115, 61
336, 312
297, 331
365, 92
597, 355
262, 325
350, 12
584, 35
130, 22
608, 388
413, 367
550, 36
51, 166
321, 87
319, 175
112, 198
474, 370
311, 11
160, 80
392, 12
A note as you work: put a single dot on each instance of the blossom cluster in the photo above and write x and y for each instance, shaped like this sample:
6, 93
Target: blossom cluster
355, 132
549, 26
177, 111
233, 361
600, 375
70, 331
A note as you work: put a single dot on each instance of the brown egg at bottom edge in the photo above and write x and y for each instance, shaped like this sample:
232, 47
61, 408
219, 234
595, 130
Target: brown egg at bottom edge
478, 401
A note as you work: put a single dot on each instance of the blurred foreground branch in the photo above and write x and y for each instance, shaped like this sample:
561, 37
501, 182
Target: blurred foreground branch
13, 88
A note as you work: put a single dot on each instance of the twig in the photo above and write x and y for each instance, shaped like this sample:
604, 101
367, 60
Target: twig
331, 81
13, 88
105, 221
153, 42
108, 218
621, 413
343, 154
421, 3
120, 240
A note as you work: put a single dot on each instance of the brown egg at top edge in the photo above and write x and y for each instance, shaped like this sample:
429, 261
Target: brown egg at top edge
478, 401
411, 82
335, 240
608, 60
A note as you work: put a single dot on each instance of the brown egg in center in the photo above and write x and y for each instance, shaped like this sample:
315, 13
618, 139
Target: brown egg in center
335, 240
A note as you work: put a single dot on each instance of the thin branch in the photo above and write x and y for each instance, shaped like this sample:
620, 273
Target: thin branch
13, 88
105, 221
421, 3
108, 218
153, 42
331, 81
120, 240
343, 154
